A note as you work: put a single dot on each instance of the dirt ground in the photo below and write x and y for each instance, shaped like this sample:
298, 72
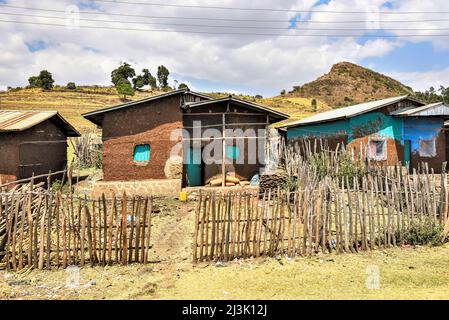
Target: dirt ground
400, 273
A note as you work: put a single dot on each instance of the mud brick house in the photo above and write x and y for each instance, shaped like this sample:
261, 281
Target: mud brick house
387, 131
32, 142
162, 137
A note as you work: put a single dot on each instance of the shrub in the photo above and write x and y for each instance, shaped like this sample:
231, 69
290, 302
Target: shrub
424, 232
56, 186
346, 166
71, 86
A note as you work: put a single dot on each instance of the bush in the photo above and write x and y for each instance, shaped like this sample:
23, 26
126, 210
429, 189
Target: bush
346, 166
71, 86
56, 186
424, 232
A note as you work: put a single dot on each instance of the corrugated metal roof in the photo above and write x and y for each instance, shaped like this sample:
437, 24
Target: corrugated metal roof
434, 109
277, 114
347, 112
18, 120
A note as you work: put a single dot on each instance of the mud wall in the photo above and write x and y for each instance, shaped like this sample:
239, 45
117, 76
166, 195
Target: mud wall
38, 150
149, 123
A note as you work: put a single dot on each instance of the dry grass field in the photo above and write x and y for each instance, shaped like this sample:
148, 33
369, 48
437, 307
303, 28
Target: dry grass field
70, 103
404, 273
73, 103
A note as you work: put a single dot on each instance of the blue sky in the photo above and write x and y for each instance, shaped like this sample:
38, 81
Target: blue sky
410, 57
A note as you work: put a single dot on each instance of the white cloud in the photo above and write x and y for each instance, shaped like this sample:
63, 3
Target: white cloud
422, 81
266, 64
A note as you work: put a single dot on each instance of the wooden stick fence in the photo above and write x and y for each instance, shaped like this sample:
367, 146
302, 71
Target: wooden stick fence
347, 215
48, 230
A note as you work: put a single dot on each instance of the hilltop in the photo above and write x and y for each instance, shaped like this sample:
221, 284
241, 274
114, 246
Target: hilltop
348, 84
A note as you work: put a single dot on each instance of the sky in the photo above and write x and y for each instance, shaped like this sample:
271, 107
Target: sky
247, 56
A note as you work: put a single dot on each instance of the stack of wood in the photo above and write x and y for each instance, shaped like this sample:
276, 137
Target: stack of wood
232, 180
272, 181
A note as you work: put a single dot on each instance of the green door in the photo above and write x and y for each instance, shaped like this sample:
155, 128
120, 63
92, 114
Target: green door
194, 167
407, 153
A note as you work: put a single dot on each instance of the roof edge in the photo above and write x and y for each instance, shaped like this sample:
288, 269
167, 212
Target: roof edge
232, 98
399, 99
88, 115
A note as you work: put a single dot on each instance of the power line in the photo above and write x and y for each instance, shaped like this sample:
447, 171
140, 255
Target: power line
228, 26
225, 19
264, 9
226, 33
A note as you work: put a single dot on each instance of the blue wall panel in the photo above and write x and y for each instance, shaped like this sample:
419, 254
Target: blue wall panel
421, 129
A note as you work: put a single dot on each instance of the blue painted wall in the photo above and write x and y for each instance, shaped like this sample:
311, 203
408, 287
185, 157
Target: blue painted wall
374, 124
319, 130
421, 129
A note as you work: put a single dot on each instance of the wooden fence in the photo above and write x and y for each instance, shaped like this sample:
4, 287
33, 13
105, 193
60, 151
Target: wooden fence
346, 215
43, 229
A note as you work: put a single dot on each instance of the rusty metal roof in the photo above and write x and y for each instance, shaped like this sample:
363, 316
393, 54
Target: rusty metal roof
347, 112
18, 120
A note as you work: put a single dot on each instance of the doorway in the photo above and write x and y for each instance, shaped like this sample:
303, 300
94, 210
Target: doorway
407, 154
194, 167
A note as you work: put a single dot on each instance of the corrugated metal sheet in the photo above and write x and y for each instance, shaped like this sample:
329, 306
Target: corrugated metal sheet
15, 120
347, 112
434, 109
22, 120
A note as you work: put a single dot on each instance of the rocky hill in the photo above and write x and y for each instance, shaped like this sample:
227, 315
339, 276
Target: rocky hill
348, 84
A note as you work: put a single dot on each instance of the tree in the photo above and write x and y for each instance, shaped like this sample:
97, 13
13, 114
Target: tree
182, 85
258, 96
124, 71
138, 82
283, 92
44, 80
162, 76
148, 79
71, 86
314, 105
124, 88
33, 82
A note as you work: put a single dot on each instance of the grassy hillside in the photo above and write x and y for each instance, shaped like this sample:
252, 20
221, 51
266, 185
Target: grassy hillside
70, 103
73, 103
348, 84
296, 107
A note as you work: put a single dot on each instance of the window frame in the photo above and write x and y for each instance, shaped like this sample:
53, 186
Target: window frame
142, 162
433, 153
382, 157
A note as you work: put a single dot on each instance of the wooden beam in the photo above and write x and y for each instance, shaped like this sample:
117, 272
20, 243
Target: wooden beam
221, 113
223, 156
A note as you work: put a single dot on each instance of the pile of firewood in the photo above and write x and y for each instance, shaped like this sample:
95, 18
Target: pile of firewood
272, 181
